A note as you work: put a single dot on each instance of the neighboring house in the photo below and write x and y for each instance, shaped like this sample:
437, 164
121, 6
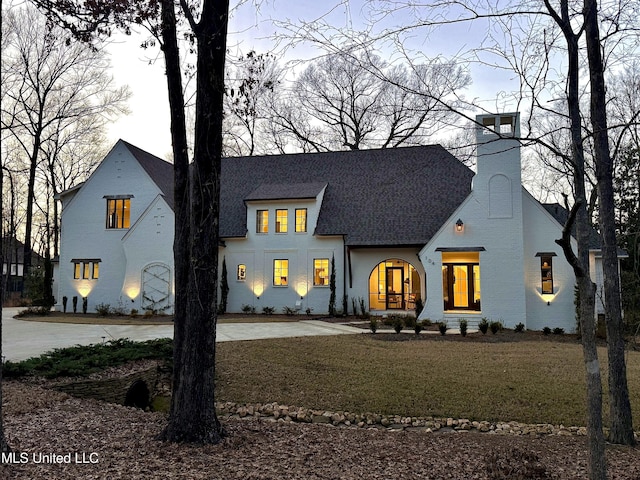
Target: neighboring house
400, 226
13, 266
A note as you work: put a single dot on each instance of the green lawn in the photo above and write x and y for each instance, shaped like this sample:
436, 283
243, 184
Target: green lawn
526, 381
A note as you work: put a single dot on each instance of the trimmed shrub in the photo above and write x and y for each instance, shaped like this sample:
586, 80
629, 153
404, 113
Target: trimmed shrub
363, 308
558, 331
443, 327
483, 326
418, 327
268, 310
546, 330
373, 325
398, 324
103, 309
248, 309
463, 326
495, 327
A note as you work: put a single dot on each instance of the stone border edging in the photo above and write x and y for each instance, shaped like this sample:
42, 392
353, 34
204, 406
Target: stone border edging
285, 413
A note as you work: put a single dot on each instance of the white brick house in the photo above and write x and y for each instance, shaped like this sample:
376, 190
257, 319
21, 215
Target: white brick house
400, 225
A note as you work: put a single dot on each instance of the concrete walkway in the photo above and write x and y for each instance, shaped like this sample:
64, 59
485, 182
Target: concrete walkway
22, 339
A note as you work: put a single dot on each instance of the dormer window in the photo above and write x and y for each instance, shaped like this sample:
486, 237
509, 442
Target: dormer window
262, 221
118, 212
301, 220
282, 221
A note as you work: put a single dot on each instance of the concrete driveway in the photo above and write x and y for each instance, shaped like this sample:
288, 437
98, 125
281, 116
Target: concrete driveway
22, 339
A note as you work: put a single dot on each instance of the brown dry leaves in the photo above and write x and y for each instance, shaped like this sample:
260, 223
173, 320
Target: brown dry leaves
123, 442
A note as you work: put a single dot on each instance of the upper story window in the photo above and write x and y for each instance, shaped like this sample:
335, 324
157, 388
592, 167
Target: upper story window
282, 221
320, 271
301, 220
546, 271
118, 212
262, 221
280, 273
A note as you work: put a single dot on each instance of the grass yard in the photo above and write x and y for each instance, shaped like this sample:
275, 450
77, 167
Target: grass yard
525, 381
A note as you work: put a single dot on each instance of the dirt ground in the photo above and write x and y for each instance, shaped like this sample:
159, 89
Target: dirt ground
55, 436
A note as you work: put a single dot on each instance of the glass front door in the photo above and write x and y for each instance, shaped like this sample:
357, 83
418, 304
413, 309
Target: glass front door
395, 288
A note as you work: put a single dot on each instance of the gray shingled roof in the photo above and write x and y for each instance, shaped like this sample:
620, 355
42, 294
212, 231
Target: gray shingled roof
561, 215
399, 196
284, 191
396, 196
160, 171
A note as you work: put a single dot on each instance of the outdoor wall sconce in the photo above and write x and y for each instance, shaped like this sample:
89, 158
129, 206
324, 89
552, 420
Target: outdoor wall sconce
459, 226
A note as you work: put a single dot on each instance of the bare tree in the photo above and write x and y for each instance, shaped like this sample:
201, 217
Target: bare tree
621, 423
250, 87
353, 99
49, 84
4, 446
196, 187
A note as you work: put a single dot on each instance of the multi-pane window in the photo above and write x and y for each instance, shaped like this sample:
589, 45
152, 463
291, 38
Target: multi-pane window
242, 272
86, 269
262, 221
118, 212
281, 221
321, 271
301, 220
546, 269
281, 273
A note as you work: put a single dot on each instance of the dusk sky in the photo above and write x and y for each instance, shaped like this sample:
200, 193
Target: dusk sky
147, 126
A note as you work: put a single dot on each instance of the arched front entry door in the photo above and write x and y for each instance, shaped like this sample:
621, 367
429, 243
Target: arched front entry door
156, 288
394, 285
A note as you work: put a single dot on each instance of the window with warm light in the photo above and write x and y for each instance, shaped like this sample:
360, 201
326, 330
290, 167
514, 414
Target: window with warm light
280, 273
320, 271
262, 221
546, 269
118, 213
86, 269
242, 272
301, 220
461, 281
282, 221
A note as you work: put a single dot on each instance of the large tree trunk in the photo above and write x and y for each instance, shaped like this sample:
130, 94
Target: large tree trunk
4, 447
621, 428
597, 466
193, 416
